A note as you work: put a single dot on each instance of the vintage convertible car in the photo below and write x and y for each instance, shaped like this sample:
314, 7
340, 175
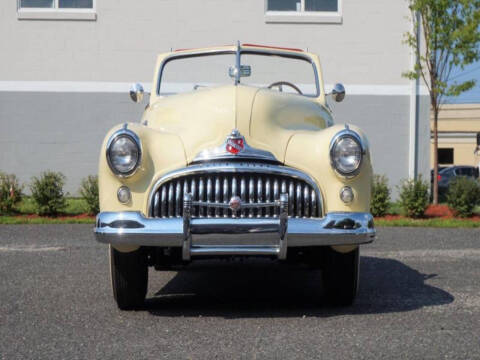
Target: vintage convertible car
235, 155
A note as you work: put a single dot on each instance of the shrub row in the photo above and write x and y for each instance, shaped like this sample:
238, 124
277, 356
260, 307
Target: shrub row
47, 193
462, 196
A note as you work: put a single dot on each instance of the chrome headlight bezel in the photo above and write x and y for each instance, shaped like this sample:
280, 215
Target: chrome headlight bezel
124, 132
347, 133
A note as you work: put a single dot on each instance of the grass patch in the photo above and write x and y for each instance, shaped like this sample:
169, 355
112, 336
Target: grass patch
74, 213
22, 220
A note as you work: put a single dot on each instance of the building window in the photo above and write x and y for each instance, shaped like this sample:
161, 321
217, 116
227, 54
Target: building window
303, 11
56, 9
445, 156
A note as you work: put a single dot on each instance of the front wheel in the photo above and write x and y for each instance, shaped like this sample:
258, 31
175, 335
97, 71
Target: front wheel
341, 276
129, 273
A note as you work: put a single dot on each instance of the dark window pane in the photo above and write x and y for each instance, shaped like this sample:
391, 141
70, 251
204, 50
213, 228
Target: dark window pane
77, 4
36, 3
465, 171
321, 5
445, 156
283, 5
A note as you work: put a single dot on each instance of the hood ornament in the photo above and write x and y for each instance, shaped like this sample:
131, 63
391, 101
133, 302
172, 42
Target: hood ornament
235, 142
234, 147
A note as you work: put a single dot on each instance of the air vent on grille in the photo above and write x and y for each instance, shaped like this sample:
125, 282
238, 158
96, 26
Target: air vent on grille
304, 200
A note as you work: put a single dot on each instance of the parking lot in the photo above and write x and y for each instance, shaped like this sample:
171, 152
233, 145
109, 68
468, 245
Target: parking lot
419, 298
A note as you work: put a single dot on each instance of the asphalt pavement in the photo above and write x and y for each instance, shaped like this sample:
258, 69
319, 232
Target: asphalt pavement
419, 298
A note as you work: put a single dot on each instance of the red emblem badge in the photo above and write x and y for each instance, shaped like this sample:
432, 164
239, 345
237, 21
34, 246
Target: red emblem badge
235, 145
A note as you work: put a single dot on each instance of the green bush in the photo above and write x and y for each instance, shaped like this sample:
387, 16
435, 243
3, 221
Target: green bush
89, 191
47, 192
414, 197
462, 195
10, 192
380, 196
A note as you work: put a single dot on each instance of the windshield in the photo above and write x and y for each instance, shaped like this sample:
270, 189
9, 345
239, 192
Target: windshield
194, 72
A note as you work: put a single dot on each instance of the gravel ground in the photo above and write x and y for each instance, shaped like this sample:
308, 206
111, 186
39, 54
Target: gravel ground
419, 298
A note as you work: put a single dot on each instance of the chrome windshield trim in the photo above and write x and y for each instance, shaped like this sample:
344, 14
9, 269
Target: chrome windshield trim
233, 167
237, 63
245, 50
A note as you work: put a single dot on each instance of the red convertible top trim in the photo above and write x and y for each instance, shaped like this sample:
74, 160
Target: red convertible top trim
273, 47
251, 45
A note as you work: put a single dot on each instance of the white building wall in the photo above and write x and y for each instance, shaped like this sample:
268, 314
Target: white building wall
122, 43
60, 79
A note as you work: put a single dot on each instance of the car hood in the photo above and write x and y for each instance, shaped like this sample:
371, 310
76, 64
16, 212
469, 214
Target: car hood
266, 118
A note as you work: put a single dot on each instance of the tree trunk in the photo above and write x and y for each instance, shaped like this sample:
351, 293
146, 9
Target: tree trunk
435, 154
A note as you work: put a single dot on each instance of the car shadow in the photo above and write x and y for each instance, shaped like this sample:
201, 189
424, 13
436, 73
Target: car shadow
258, 289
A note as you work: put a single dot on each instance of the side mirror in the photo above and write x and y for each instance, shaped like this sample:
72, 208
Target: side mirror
338, 92
136, 92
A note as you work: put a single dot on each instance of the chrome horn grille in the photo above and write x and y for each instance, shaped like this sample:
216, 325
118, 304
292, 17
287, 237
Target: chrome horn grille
219, 183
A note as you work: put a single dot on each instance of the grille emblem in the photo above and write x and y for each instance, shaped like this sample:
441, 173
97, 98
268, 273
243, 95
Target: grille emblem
235, 203
235, 143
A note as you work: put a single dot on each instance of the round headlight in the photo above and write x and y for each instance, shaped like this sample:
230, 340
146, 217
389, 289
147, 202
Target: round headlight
124, 153
346, 154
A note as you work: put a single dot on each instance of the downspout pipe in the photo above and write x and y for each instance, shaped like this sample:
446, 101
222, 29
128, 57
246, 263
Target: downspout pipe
413, 117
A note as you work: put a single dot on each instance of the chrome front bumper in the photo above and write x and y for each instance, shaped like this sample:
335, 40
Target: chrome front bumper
336, 228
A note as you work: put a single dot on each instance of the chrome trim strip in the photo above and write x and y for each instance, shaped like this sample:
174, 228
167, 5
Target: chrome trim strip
246, 50
338, 228
246, 205
229, 167
221, 153
225, 250
237, 63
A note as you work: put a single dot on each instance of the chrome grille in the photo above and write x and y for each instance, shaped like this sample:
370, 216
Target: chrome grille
220, 187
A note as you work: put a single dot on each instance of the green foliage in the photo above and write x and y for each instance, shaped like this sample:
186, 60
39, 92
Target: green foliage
448, 38
380, 202
414, 197
463, 195
445, 36
47, 192
10, 192
74, 206
89, 191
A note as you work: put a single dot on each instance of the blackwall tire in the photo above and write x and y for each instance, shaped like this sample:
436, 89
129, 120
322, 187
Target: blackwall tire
129, 272
341, 276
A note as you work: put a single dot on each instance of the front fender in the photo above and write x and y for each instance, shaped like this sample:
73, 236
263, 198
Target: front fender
161, 152
310, 152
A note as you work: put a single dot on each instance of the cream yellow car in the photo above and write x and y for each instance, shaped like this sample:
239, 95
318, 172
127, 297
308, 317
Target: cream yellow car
236, 155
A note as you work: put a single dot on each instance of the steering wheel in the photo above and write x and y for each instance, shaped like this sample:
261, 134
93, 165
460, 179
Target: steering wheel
280, 83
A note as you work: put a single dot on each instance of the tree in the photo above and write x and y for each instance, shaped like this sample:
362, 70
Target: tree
445, 36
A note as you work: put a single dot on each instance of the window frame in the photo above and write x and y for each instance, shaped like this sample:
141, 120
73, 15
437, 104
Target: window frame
302, 16
57, 13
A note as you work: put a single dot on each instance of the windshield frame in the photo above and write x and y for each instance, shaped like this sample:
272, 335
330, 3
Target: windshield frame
247, 51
